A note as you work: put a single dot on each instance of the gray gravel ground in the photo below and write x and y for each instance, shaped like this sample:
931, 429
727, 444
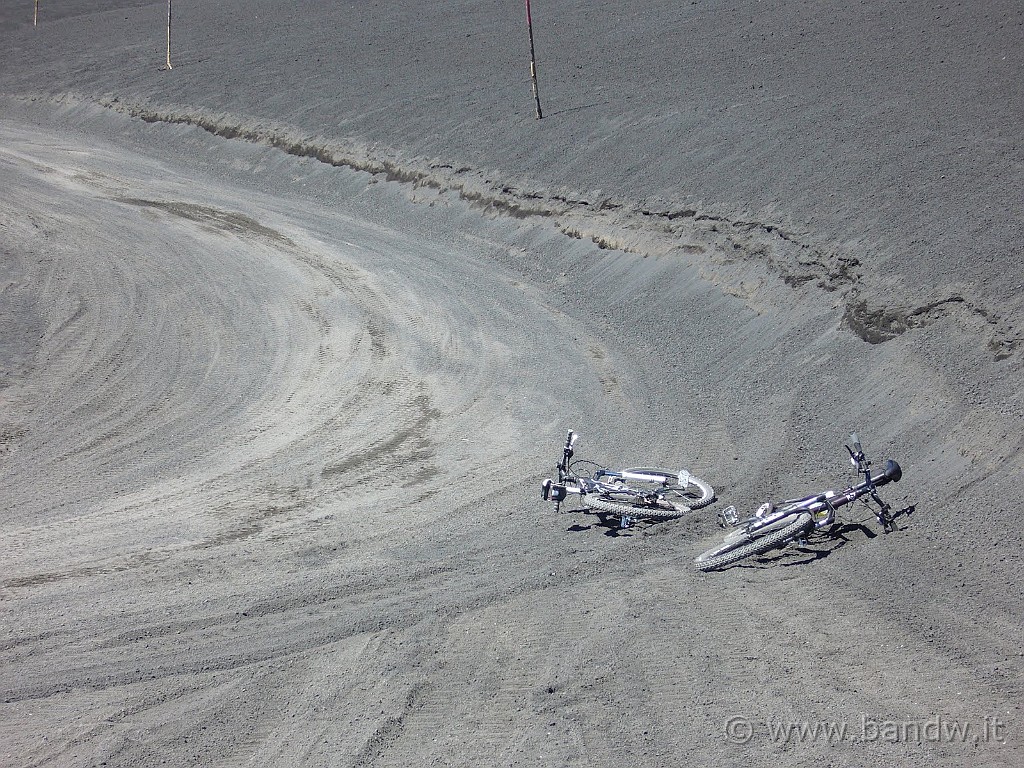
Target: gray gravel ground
290, 334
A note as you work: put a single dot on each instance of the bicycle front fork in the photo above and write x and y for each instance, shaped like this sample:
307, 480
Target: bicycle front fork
550, 491
882, 515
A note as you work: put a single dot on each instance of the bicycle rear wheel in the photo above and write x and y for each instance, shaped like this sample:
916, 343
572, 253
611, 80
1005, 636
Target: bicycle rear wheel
656, 495
724, 555
695, 494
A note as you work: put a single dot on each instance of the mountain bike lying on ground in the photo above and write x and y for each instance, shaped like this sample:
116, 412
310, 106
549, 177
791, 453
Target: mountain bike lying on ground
778, 525
639, 493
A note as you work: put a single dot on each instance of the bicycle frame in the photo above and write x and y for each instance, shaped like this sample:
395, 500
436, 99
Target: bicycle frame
822, 507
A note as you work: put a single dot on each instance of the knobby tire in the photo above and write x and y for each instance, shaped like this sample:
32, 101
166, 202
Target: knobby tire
711, 560
667, 509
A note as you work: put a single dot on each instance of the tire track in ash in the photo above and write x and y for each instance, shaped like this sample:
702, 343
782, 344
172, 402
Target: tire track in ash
237, 420
124, 332
141, 383
735, 653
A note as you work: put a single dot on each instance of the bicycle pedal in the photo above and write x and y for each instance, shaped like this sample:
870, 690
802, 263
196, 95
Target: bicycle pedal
727, 518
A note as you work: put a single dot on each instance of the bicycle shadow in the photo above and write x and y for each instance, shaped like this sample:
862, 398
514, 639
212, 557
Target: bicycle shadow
611, 524
581, 107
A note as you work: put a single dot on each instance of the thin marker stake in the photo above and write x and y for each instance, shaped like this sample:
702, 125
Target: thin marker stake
35, 13
168, 34
533, 60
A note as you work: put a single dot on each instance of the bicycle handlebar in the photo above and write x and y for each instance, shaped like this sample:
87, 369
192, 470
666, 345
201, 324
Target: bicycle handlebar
835, 499
891, 474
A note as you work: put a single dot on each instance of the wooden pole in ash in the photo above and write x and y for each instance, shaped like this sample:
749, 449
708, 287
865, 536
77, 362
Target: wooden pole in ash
533, 60
169, 34
35, 13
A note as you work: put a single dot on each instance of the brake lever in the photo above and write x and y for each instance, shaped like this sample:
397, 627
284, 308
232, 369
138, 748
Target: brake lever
857, 457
